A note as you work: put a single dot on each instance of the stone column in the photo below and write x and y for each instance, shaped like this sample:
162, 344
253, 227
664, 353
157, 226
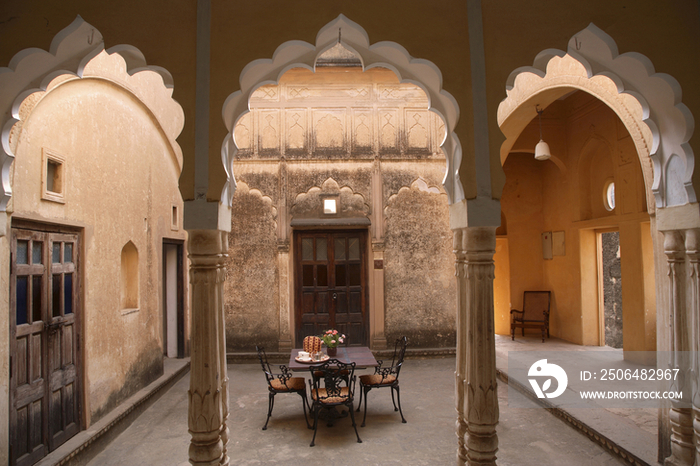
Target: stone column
208, 393
477, 396
692, 249
461, 369
681, 417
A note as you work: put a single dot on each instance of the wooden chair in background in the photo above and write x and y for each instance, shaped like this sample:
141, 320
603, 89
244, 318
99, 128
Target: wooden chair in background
535, 313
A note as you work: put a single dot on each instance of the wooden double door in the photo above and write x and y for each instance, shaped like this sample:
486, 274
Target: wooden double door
44, 351
331, 284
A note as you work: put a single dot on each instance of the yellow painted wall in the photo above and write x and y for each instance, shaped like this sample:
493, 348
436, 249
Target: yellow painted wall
501, 287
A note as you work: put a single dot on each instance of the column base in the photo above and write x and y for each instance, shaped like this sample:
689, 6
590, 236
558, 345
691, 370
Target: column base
285, 346
379, 344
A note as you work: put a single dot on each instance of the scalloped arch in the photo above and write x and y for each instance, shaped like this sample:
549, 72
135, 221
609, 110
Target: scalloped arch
647, 102
391, 55
267, 200
420, 184
330, 186
75, 53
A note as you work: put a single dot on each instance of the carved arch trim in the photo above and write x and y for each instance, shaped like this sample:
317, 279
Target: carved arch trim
293, 54
77, 52
648, 103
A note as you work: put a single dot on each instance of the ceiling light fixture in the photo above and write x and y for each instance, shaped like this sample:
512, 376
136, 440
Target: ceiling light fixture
542, 148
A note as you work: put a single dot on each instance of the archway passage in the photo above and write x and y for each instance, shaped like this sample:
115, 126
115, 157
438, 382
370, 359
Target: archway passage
570, 198
336, 169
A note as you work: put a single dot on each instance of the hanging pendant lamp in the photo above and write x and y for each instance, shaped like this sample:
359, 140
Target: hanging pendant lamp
542, 148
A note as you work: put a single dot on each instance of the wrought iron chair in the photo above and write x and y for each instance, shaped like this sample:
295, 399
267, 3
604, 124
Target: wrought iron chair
535, 313
387, 376
281, 383
339, 388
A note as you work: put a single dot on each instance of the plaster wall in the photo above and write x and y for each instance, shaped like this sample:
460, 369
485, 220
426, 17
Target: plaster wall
501, 287
251, 290
420, 289
120, 185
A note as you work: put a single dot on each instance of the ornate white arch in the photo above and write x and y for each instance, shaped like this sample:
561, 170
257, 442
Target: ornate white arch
293, 54
648, 103
78, 52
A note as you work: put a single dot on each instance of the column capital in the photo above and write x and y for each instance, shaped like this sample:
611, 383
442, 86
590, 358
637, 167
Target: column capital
673, 244
692, 242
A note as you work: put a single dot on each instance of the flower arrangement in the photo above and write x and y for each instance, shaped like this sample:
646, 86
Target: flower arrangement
331, 338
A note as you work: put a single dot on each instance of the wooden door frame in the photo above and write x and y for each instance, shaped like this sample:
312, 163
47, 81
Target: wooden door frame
78, 254
296, 264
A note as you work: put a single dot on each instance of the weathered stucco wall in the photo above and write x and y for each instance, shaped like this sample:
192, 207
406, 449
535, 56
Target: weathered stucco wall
120, 185
420, 288
251, 290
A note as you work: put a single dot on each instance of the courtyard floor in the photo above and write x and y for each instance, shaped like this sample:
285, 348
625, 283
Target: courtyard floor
528, 434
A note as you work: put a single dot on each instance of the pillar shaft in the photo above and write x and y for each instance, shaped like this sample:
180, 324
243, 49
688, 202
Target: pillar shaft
681, 416
692, 249
477, 396
461, 366
208, 393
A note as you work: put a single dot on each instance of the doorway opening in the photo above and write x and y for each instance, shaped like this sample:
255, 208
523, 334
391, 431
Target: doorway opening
173, 300
610, 288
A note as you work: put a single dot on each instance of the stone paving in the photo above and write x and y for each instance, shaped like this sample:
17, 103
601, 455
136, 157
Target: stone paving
527, 436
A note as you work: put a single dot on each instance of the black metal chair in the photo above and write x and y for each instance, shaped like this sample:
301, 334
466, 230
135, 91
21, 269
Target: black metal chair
387, 376
281, 383
339, 388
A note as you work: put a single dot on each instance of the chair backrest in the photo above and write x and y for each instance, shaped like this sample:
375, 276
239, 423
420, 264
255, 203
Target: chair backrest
335, 375
312, 344
262, 356
399, 353
536, 305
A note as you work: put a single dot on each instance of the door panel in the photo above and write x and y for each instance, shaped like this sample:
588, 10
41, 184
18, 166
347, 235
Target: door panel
28, 300
62, 339
44, 410
331, 285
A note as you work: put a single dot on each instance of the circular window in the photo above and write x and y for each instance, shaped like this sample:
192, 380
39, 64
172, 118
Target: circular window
609, 195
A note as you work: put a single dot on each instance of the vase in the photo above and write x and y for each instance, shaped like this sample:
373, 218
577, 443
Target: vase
331, 352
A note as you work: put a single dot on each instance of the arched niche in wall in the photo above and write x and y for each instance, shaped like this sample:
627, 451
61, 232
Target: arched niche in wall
129, 283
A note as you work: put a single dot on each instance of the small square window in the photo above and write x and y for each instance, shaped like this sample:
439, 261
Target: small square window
329, 206
53, 176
